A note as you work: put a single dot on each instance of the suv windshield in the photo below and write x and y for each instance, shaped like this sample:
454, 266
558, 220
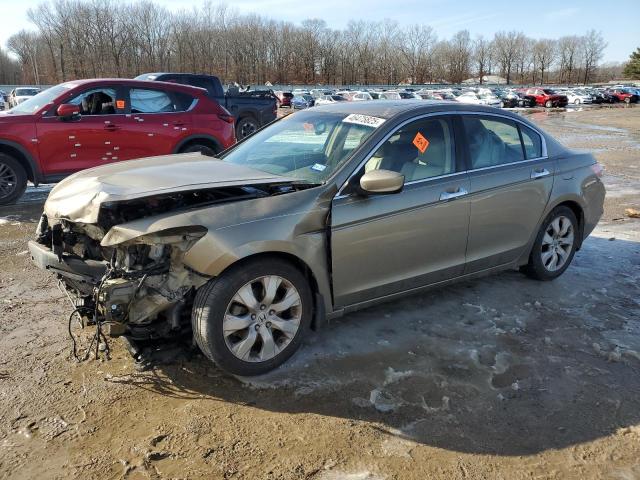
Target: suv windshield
35, 103
308, 146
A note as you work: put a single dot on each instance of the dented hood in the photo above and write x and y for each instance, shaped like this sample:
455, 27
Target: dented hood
78, 197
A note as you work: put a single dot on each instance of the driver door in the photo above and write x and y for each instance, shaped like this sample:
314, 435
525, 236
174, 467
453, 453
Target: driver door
385, 244
89, 141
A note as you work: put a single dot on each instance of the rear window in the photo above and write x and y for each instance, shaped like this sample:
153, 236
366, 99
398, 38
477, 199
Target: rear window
150, 101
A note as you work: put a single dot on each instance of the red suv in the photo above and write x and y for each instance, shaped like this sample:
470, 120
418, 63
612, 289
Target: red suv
87, 123
547, 97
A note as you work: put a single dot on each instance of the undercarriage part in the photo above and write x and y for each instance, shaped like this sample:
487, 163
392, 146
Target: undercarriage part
132, 347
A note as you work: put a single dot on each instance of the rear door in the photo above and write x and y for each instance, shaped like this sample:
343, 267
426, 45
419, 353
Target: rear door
157, 119
384, 244
511, 180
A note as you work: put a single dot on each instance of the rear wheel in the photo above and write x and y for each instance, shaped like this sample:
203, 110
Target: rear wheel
548, 104
627, 100
13, 179
245, 127
577, 101
253, 317
554, 246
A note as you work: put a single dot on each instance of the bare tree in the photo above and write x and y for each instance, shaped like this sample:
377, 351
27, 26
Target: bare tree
544, 53
593, 46
482, 53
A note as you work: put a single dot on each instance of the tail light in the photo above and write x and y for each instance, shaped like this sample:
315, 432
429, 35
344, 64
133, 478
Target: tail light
598, 169
226, 117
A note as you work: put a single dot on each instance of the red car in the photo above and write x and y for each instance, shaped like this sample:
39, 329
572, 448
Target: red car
547, 97
624, 95
87, 123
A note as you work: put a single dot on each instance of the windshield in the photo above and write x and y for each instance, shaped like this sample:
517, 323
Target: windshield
26, 92
308, 146
34, 104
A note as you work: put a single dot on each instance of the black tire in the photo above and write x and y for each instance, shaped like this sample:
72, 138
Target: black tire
211, 303
535, 268
199, 147
13, 179
627, 100
246, 126
548, 104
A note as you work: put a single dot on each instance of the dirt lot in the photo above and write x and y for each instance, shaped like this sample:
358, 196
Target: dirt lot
497, 378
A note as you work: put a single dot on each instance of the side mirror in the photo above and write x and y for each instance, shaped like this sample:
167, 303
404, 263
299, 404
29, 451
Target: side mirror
381, 181
68, 111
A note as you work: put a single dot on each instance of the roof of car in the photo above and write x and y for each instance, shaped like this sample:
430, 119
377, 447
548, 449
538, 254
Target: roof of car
391, 108
130, 81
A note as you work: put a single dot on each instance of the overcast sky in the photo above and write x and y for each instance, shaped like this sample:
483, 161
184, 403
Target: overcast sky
619, 21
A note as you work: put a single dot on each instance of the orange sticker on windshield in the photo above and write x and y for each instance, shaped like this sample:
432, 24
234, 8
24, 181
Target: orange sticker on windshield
420, 142
308, 127
120, 104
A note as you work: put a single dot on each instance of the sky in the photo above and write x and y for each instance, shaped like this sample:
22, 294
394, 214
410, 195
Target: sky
618, 22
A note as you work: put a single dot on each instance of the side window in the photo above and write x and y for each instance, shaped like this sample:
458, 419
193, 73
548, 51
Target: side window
492, 141
97, 101
422, 149
150, 101
532, 142
182, 101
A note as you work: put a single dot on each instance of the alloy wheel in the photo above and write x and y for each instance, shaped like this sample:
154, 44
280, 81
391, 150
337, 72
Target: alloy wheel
248, 128
557, 243
262, 318
8, 180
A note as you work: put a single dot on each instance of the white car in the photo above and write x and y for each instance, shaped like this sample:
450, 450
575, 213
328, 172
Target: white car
469, 97
390, 96
361, 96
577, 97
328, 99
20, 94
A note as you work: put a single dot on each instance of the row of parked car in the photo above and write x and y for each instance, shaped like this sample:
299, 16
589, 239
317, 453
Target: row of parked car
496, 97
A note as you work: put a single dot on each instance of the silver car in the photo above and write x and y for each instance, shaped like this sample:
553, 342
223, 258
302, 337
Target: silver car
324, 212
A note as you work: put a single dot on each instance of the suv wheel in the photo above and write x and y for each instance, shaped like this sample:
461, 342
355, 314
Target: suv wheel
203, 149
253, 317
554, 246
13, 179
245, 127
548, 104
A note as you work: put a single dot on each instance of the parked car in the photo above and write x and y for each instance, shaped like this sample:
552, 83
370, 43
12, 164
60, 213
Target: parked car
361, 96
578, 97
285, 98
325, 212
547, 97
252, 109
20, 94
390, 96
87, 123
526, 101
299, 102
327, 99
507, 99
409, 96
470, 98
4, 100
624, 95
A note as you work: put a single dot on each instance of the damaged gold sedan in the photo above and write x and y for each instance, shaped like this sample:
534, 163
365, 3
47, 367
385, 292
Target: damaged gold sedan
323, 212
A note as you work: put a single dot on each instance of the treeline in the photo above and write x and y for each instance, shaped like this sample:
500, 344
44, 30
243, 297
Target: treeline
100, 38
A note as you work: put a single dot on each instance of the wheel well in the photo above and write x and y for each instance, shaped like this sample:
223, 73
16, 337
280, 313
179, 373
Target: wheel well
297, 263
579, 213
201, 141
19, 156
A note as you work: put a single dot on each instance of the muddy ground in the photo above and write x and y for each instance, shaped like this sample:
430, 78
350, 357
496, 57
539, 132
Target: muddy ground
502, 377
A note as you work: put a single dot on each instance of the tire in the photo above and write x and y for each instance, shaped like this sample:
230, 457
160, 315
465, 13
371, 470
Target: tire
13, 179
540, 263
548, 104
199, 147
576, 101
246, 126
627, 100
220, 305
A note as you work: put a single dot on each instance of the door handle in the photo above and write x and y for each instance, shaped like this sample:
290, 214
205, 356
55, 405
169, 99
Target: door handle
539, 173
451, 195
178, 124
111, 127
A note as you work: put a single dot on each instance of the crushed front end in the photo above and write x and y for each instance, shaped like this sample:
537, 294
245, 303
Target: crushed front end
138, 288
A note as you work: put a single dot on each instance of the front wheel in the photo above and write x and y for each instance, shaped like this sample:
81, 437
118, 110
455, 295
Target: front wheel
576, 101
555, 245
13, 179
253, 317
203, 149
